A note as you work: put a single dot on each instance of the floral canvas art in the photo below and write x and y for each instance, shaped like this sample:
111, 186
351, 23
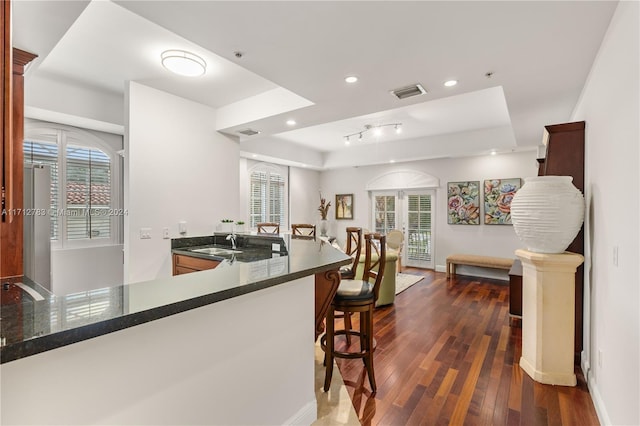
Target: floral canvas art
498, 194
463, 203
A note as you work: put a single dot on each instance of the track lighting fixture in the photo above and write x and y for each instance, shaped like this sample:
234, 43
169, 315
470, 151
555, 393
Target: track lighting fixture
377, 131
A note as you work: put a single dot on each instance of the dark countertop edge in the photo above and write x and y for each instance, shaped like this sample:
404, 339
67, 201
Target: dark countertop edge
59, 339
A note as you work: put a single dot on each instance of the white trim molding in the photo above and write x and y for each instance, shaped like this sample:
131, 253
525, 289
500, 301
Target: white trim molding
402, 179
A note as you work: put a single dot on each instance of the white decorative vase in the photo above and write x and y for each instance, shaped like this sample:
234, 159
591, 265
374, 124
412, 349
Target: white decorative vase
547, 213
323, 227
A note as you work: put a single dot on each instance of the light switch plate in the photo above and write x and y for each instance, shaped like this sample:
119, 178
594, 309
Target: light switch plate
145, 233
165, 233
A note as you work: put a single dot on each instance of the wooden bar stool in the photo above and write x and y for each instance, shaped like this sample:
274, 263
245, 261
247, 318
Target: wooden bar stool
357, 296
303, 229
268, 228
354, 248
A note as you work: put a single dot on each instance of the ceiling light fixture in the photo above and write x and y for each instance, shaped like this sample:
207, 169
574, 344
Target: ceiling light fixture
291, 122
377, 130
183, 63
351, 79
450, 83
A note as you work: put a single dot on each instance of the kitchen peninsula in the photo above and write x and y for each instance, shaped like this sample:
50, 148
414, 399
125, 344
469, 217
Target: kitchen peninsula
229, 345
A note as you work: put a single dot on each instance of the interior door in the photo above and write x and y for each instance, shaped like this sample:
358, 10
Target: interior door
412, 213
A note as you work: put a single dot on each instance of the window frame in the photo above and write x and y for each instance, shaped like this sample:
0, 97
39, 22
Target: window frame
64, 136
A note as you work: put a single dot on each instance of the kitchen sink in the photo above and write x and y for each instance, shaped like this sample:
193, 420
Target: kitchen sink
217, 251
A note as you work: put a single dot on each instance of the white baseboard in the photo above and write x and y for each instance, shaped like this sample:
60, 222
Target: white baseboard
305, 416
441, 268
598, 403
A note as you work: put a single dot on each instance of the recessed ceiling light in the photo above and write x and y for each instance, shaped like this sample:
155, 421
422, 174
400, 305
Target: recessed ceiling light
291, 122
351, 79
450, 83
183, 63
254, 155
493, 152
392, 161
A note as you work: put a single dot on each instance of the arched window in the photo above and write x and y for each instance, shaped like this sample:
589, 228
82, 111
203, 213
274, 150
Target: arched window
85, 199
268, 196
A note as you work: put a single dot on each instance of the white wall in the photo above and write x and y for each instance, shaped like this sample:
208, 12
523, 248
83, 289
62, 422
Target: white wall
305, 198
609, 105
177, 168
493, 240
84, 269
57, 95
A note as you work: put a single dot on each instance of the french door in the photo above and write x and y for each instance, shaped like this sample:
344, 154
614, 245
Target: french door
412, 213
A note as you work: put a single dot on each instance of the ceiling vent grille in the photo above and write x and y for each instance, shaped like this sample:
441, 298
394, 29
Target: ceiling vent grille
249, 132
409, 91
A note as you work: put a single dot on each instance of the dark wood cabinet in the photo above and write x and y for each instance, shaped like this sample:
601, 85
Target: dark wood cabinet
183, 264
515, 289
565, 157
14, 62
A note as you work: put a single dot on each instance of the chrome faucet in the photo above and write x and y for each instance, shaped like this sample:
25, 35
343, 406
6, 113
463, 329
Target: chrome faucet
232, 237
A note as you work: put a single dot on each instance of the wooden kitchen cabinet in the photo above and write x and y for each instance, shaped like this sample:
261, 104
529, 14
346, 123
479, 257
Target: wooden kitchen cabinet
565, 157
183, 264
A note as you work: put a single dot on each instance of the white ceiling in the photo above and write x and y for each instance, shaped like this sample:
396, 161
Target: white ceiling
296, 55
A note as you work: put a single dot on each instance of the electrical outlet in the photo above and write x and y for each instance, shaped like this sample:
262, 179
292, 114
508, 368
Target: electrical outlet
165, 233
145, 233
182, 227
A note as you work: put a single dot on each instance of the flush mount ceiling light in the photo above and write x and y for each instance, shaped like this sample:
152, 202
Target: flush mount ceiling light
351, 79
291, 122
183, 63
450, 83
377, 131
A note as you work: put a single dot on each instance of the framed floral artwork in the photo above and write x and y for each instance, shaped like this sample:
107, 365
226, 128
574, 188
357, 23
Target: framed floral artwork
498, 194
463, 203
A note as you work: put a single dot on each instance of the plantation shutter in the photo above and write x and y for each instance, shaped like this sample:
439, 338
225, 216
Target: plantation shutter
258, 207
385, 213
267, 202
419, 215
88, 193
276, 198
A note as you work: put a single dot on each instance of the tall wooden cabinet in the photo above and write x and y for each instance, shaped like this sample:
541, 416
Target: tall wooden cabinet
14, 62
565, 157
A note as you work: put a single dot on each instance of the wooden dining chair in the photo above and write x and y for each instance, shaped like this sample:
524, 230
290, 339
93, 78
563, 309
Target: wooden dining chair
268, 228
303, 229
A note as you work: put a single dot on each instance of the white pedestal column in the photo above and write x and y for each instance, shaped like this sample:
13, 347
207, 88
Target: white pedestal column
548, 309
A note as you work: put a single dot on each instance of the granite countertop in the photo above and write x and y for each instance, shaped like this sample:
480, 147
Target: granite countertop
29, 326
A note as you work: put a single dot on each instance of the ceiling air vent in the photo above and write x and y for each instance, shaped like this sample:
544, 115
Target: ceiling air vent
409, 91
249, 132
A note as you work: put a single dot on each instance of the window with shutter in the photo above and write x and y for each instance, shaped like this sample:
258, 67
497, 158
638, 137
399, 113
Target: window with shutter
83, 208
268, 198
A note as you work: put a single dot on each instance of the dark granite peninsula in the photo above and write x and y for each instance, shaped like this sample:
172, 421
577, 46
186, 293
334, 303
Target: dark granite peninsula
208, 347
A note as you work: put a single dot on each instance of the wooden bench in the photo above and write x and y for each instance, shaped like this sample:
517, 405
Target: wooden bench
476, 260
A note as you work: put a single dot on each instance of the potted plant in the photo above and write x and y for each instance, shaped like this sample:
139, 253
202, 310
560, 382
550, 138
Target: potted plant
240, 226
226, 225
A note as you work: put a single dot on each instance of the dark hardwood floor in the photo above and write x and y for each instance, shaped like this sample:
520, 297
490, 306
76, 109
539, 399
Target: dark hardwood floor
450, 356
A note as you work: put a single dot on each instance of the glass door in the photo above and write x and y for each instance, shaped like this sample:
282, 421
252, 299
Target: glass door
412, 213
418, 217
